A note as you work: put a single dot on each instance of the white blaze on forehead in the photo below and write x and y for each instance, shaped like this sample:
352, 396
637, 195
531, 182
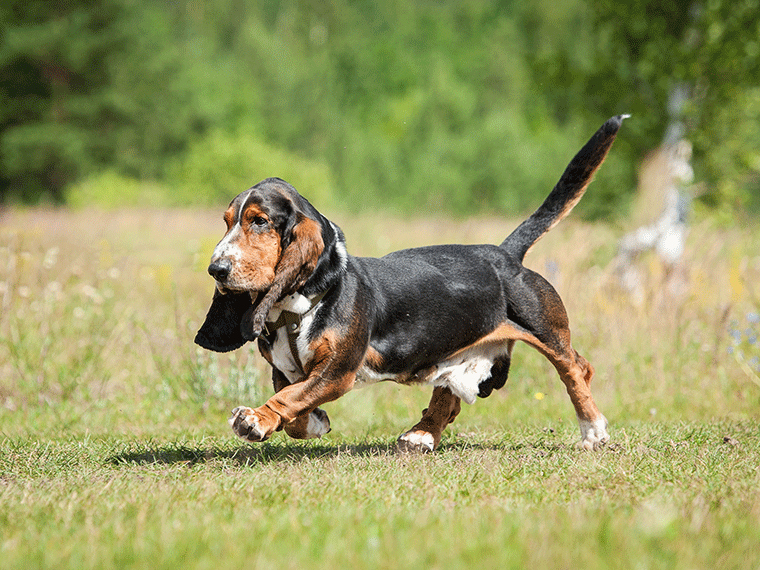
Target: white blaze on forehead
242, 205
227, 247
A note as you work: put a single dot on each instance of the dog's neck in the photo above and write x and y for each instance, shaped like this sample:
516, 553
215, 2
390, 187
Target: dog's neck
296, 303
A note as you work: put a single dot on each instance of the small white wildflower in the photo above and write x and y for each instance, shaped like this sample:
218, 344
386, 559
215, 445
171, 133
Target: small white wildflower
24, 292
78, 312
91, 293
51, 257
53, 291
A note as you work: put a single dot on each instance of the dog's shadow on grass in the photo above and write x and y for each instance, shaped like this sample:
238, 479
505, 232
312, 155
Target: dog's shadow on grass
173, 453
244, 455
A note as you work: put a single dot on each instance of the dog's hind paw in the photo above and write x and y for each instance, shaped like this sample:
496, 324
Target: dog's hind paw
416, 441
594, 434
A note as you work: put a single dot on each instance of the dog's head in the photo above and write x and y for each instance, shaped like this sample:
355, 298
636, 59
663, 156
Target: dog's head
276, 244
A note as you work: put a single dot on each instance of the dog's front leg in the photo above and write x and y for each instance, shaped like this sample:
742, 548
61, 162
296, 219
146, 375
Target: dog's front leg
307, 426
288, 407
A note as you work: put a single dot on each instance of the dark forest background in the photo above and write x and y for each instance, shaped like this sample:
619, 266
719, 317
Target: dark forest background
461, 107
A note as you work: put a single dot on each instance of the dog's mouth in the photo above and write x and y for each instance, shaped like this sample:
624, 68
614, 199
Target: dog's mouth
255, 296
225, 289
229, 322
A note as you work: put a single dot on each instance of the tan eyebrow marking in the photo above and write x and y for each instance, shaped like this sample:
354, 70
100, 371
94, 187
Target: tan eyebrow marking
229, 217
251, 212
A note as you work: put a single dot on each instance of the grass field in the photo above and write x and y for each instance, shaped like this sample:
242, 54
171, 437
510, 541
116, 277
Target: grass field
115, 452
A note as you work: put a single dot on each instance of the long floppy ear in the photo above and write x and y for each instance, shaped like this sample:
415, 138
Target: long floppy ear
221, 331
303, 244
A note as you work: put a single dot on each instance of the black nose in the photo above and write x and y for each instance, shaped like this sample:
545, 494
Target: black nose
220, 269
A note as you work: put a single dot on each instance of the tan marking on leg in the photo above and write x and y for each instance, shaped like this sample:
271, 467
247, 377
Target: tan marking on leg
331, 372
501, 334
324, 383
312, 425
424, 437
574, 371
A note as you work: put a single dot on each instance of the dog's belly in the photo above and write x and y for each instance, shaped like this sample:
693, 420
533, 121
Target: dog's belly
461, 374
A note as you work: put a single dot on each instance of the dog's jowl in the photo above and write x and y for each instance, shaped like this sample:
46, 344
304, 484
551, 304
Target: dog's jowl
447, 316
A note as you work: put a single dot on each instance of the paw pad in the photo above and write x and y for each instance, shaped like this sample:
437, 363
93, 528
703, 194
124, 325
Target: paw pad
245, 423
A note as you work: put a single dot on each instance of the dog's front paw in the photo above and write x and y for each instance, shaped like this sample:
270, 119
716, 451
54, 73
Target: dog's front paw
416, 441
594, 434
248, 425
259, 320
252, 323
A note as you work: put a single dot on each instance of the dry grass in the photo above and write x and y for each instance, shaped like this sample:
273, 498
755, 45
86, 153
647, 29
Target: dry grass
104, 307
116, 451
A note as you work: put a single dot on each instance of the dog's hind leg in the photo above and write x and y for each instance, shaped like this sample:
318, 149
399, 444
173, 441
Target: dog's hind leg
543, 320
424, 437
576, 373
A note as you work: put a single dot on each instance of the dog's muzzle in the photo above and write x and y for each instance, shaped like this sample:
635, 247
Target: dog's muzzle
220, 269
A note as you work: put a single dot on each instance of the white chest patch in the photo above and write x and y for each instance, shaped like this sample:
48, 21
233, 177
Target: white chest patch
282, 356
295, 303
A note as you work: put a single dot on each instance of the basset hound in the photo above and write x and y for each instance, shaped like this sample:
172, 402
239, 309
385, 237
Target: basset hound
447, 315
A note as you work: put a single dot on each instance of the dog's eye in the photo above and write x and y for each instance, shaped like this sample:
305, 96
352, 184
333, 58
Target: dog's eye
259, 221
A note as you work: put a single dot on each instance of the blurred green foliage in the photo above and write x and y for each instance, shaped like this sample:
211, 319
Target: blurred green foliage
453, 106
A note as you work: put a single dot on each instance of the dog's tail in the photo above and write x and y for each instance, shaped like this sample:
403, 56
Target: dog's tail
568, 191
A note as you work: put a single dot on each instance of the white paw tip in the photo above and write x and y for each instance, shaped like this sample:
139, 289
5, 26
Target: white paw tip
317, 426
416, 442
594, 434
